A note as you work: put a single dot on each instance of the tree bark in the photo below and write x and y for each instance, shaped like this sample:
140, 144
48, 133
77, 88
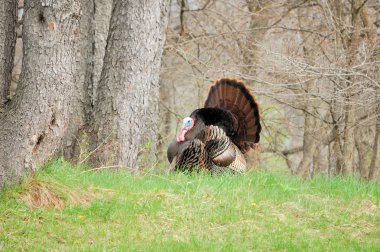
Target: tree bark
305, 168
374, 168
335, 147
36, 121
81, 102
126, 111
352, 42
309, 146
260, 17
348, 139
8, 19
361, 137
102, 21
93, 38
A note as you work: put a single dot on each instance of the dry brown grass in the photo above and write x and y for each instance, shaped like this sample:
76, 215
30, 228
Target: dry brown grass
41, 195
53, 195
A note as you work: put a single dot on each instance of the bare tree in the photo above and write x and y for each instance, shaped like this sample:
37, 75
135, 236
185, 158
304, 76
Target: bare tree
312, 64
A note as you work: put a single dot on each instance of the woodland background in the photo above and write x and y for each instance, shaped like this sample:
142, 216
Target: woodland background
312, 65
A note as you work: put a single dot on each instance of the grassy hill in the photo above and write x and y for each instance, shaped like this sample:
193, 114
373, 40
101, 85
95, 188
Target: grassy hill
66, 208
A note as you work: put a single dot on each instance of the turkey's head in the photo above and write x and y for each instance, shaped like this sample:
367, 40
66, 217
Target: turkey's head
187, 125
191, 128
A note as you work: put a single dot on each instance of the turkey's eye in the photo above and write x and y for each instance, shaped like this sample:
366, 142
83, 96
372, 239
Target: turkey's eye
187, 122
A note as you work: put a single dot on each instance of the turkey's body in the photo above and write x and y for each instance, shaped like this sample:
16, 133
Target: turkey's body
214, 152
214, 138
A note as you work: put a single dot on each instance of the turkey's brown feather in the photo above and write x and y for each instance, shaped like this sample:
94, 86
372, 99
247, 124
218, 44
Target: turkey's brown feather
218, 146
232, 95
227, 157
193, 157
239, 164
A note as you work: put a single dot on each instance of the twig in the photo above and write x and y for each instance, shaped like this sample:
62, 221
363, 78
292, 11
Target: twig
93, 151
171, 111
102, 168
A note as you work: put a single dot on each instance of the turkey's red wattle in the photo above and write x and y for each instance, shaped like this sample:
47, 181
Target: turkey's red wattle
181, 136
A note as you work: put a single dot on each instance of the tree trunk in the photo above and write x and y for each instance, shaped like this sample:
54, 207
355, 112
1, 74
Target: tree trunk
348, 139
352, 42
8, 19
260, 16
335, 147
335, 158
126, 111
374, 168
166, 116
305, 168
361, 137
81, 103
102, 21
93, 38
36, 121
309, 145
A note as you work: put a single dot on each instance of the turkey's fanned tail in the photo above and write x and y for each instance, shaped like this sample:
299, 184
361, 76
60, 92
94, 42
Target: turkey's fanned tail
233, 95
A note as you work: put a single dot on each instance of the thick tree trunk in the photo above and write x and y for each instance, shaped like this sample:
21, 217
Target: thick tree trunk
81, 102
102, 21
37, 119
93, 37
126, 111
8, 19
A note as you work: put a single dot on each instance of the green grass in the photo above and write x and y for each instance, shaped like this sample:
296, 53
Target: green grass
118, 211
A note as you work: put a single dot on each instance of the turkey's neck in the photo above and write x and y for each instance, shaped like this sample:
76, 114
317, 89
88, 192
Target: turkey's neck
199, 131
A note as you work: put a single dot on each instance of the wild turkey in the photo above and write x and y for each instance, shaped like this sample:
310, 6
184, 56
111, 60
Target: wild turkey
215, 137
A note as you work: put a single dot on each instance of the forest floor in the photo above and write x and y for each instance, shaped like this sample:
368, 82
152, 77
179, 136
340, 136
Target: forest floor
68, 208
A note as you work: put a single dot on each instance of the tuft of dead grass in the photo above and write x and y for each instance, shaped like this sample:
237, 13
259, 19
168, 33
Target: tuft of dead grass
53, 195
38, 194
